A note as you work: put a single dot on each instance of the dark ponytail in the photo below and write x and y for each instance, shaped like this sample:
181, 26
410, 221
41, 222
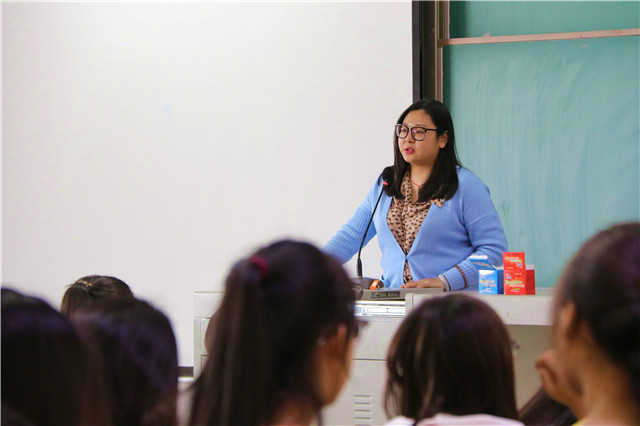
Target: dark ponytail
603, 281
278, 303
227, 351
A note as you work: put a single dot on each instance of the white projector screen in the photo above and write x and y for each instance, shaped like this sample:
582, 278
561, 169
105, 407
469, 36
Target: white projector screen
160, 142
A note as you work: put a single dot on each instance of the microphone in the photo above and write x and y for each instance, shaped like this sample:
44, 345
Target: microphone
371, 283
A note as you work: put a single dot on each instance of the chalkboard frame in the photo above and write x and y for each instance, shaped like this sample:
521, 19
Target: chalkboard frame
440, 26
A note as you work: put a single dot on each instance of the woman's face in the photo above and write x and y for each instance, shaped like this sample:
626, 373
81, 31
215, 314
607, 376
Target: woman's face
423, 152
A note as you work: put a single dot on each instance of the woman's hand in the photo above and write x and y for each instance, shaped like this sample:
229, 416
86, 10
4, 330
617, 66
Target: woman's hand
555, 385
425, 283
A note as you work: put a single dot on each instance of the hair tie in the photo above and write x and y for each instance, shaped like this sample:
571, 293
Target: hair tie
262, 265
86, 284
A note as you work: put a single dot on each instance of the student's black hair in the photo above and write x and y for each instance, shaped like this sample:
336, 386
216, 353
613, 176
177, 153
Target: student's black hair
90, 291
452, 355
443, 181
140, 358
603, 282
278, 304
49, 374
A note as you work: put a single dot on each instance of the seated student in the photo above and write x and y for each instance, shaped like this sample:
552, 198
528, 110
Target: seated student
49, 376
91, 291
594, 366
280, 345
139, 354
451, 362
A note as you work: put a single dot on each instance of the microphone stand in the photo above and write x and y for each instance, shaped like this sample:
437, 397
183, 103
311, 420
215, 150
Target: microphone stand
360, 281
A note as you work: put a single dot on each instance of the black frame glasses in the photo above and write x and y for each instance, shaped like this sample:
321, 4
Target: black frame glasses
359, 325
402, 131
515, 349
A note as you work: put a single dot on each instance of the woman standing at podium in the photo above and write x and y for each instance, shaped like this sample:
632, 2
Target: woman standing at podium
432, 214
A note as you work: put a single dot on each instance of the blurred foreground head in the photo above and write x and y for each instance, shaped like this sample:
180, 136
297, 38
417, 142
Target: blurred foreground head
281, 340
49, 375
451, 354
139, 355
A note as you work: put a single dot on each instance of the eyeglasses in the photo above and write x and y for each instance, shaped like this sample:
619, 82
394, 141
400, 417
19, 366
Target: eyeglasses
515, 348
354, 331
359, 325
418, 133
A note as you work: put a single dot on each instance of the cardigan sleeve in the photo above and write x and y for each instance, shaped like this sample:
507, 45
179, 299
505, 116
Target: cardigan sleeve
345, 243
484, 229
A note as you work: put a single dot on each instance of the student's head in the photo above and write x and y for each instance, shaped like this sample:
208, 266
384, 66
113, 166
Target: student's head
443, 180
597, 310
90, 291
281, 337
451, 354
49, 375
138, 350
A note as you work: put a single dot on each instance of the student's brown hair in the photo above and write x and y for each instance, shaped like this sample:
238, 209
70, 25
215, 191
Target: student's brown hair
91, 291
452, 355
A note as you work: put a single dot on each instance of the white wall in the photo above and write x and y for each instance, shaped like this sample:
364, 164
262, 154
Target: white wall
159, 142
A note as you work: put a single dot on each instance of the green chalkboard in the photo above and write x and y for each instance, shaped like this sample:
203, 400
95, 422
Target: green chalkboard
498, 18
553, 129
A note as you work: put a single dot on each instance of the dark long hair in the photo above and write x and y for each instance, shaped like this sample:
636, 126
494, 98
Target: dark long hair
277, 304
90, 291
452, 354
603, 282
49, 374
443, 181
139, 354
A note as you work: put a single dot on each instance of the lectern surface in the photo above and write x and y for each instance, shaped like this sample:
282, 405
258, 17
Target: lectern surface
396, 293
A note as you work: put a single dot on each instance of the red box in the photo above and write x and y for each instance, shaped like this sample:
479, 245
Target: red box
531, 279
513, 260
515, 281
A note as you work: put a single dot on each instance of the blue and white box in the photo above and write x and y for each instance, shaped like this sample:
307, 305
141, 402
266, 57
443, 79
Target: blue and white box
490, 278
491, 282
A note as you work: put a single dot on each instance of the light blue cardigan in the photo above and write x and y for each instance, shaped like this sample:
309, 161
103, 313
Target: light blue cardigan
467, 223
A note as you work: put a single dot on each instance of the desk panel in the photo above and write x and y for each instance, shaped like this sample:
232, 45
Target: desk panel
361, 401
